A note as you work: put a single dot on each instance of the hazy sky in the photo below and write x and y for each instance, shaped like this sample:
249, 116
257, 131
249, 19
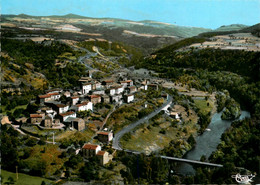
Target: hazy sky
200, 13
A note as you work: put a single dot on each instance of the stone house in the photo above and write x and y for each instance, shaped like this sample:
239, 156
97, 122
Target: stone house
36, 118
111, 91
48, 121
94, 98
90, 150
105, 99
103, 157
54, 96
78, 124
105, 137
115, 98
131, 89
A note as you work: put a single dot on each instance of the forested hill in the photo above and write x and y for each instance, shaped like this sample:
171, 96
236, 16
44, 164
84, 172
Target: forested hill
211, 69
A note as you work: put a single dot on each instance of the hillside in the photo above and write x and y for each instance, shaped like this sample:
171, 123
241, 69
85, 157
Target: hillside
232, 27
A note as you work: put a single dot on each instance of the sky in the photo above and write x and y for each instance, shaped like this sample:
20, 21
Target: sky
199, 13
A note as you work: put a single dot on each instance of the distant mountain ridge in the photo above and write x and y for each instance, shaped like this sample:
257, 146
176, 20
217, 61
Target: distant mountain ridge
231, 27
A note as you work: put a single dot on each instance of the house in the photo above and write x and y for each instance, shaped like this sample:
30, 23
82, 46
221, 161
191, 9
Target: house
54, 96
43, 98
94, 98
153, 86
103, 157
48, 121
75, 100
84, 106
86, 87
131, 89
127, 83
111, 91
144, 87
105, 99
90, 150
78, 124
99, 91
36, 118
96, 85
61, 108
105, 137
115, 98
129, 98
175, 115
108, 83
119, 89
67, 94
67, 115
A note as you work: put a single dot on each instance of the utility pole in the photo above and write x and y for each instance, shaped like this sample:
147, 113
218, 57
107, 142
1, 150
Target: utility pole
16, 172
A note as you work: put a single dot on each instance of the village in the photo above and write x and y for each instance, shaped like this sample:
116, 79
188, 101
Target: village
59, 109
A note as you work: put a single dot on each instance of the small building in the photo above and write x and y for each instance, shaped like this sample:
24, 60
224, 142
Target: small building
105, 99
84, 106
78, 124
90, 150
67, 94
175, 115
67, 115
86, 87
54, 96
111, 91
61, 108
119, 89
131, 89
127, 83
36, 118
96, 85
105, 137
43, 98
115, 98
103, 157
99, 91
74, 100
48, 121
94, 98
129, 98
108, 83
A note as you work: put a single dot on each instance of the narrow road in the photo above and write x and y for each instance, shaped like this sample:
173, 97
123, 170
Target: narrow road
118, 135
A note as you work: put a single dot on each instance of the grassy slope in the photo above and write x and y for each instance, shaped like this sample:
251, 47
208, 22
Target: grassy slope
23, 179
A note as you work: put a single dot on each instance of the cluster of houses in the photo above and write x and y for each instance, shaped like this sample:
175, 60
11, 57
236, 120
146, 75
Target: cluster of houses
54, 114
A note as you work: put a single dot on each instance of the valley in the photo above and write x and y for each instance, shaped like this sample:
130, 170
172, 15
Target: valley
79, 92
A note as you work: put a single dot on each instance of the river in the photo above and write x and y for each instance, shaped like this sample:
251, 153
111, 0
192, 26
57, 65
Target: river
208, 141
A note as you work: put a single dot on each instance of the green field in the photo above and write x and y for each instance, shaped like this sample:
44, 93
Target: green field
202, 105
23, 179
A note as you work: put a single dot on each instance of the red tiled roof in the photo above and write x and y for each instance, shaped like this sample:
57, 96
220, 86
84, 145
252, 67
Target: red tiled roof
90, 146
36, 115
53, 93
87, 84
101, 153
127, 81
82, 104
94, 96
103, 133
61, 105
67, 113
74, 97
129, 95
44, 96
132, 87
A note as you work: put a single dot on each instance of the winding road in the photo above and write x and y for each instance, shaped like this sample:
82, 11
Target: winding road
118, 135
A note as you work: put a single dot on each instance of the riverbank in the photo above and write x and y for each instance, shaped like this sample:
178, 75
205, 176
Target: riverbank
208, 141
